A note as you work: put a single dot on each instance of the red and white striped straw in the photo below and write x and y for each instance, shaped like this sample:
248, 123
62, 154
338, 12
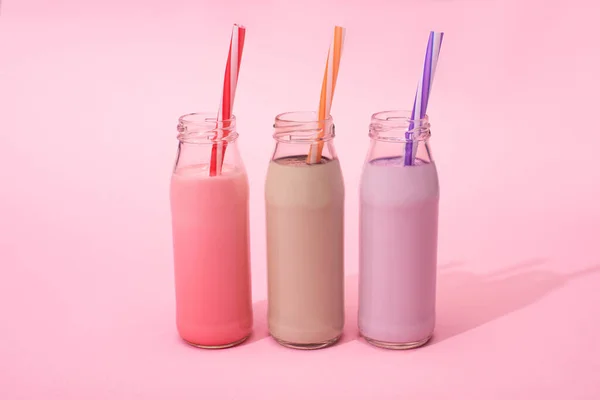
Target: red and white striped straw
232, 70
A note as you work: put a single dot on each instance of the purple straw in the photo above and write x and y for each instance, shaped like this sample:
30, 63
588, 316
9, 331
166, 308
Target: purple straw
422, 97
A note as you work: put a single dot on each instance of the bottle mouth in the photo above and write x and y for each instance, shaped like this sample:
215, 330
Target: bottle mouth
398, 126
303, 127
206, 128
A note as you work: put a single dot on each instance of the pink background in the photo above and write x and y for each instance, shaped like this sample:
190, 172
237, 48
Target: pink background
90, 92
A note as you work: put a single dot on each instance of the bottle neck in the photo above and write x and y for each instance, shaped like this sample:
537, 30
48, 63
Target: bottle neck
419, 150
301, 135
202, 128
395, 135
201, 137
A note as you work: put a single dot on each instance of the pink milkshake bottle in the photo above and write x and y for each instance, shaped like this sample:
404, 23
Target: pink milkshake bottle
210, 234
398, 234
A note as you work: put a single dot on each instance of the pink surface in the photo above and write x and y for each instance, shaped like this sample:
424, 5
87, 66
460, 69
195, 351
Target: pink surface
90, 92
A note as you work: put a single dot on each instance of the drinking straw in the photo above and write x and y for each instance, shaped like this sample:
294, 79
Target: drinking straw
327, 89
232, 69
422, 97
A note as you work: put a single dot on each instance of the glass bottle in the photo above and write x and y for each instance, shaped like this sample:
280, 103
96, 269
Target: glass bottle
210, 235
305, 234
398, 233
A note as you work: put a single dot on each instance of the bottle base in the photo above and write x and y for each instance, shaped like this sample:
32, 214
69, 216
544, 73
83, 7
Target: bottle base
397, 346
218, 346
307, 346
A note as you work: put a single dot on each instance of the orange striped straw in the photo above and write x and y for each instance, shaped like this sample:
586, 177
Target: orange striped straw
327, 89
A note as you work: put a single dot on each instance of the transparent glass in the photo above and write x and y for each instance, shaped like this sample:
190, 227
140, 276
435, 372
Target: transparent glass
211, 244
199, 133
305, 234
398, 227
390, 132
297, 133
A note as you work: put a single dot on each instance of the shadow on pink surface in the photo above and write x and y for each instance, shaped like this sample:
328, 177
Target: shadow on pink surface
260, 329
466, 300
